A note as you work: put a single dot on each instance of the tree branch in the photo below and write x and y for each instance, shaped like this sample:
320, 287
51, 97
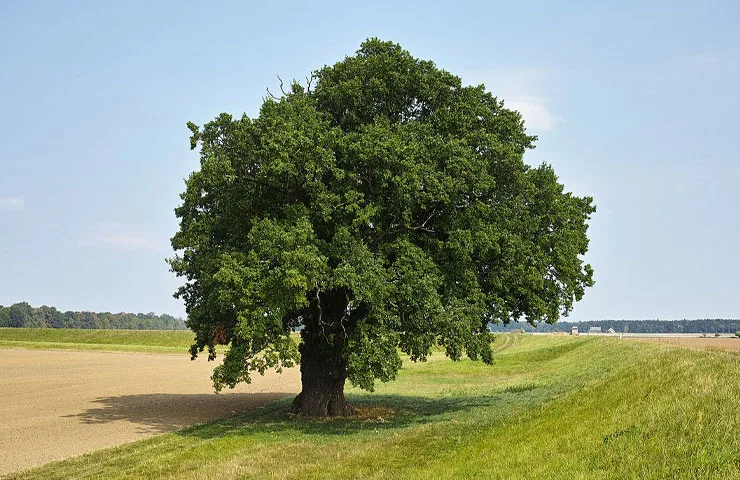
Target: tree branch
281, 85
270, 94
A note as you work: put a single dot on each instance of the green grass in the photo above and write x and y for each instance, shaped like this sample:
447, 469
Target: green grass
161, 341
551, 407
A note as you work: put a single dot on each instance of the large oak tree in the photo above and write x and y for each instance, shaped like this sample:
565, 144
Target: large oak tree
385, 206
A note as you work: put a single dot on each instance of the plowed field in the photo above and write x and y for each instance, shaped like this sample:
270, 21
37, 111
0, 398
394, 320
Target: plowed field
57, 404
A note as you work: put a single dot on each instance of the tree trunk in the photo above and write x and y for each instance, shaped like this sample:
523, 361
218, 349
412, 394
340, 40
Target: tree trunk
322, 392
323, 359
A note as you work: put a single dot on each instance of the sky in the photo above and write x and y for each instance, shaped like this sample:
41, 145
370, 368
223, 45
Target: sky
635, 105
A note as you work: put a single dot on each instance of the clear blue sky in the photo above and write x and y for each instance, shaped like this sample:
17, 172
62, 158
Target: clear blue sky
634, 105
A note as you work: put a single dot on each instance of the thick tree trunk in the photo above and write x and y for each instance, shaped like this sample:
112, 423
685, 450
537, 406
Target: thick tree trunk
322, 392
323, 360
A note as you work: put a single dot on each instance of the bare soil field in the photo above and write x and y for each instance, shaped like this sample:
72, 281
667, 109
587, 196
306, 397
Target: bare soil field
57, 404
700, 343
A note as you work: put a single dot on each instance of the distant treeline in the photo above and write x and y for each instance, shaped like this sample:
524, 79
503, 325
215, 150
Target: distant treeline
25, 316
706, 325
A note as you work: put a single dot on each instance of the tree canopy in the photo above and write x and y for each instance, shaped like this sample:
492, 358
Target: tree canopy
383, 206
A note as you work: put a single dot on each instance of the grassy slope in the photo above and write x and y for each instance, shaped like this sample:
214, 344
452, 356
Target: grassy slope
165, 341
551, 407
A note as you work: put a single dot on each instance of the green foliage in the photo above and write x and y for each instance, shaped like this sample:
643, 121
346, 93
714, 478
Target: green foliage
4, 317
737, 334
21, 315
386, 206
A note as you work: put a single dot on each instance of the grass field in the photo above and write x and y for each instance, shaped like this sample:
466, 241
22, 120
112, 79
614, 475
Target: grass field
161, 341
709, 343
551, 407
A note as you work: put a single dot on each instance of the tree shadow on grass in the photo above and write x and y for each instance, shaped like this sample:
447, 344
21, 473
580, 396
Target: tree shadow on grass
395, 412
165, 412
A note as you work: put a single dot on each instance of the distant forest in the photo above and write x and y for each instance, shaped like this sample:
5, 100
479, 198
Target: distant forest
25, 316
706, 325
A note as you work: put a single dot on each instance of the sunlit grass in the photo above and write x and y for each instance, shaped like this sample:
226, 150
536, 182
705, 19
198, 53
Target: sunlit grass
161, 341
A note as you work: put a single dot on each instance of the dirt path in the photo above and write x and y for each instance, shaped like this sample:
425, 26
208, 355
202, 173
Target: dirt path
57, 404
510, 340
501, 346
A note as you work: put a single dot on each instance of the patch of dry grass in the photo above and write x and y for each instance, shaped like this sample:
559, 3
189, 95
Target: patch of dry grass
723, 343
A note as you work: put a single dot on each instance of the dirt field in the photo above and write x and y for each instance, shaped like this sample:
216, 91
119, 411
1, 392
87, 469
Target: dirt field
701, 343
56, 404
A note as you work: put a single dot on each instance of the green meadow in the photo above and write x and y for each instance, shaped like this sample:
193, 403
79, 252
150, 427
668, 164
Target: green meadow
160, 341
550, 407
